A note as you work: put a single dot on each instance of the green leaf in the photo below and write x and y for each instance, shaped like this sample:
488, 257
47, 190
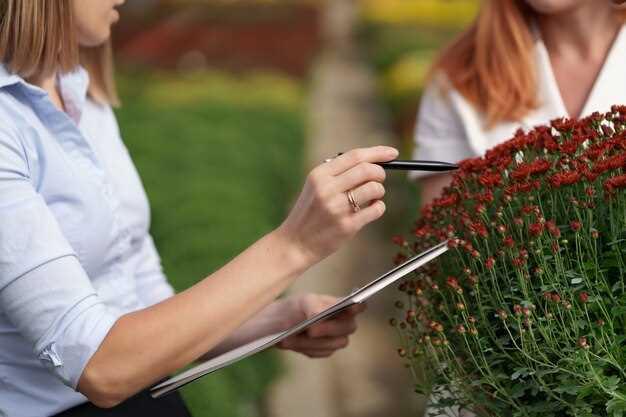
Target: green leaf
568, 389
611, 383
616, 407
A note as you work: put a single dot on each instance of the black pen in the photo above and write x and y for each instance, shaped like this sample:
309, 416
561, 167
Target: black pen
431, 166
411, 165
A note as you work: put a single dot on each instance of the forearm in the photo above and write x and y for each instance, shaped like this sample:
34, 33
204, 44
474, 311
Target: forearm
147, 345
272, 319
432, 186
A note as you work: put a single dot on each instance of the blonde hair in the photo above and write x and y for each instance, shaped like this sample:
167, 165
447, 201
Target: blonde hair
37, 38
491, 64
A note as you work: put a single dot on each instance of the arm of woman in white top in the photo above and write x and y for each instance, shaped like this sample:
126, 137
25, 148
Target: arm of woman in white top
132, 351
439, 136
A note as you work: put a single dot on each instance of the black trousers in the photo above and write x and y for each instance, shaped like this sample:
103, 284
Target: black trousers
141, 405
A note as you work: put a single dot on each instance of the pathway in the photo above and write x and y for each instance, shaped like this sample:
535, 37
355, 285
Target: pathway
366, 379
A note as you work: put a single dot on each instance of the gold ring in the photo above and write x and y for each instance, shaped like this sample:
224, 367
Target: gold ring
352, 200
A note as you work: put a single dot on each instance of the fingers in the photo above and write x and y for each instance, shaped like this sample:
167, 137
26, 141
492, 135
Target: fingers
301, 343
313, 304
339, 327
354, 157
360, 174
314, 354
366, 193
369, 214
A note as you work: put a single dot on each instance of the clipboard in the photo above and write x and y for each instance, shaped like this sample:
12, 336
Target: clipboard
356, 297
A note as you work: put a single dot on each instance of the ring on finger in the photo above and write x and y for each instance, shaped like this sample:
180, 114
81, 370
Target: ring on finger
352, 200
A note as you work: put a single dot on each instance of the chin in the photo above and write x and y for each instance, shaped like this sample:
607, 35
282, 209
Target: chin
95, 39
554, 6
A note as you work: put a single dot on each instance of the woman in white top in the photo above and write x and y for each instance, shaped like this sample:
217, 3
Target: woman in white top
521, 64
86, 313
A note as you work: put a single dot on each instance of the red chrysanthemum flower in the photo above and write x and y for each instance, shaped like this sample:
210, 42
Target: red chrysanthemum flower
564, 178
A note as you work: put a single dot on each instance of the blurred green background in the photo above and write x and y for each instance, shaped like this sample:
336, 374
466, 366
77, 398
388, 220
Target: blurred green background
214, 114
219, 172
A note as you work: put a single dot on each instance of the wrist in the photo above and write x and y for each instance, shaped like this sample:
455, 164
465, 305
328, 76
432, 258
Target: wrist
294, 256
287, 313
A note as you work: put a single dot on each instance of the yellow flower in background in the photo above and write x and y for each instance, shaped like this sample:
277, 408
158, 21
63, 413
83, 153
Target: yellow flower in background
430, 12
407, 75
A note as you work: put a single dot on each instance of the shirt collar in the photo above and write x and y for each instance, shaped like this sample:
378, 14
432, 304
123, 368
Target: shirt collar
73, 87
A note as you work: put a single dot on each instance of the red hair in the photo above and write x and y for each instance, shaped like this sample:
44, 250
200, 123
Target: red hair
492, 64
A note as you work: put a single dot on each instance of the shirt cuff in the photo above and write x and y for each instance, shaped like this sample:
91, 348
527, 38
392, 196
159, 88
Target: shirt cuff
69, 347
56, 308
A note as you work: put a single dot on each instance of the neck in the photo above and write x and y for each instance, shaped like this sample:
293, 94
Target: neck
49, 85
587, 31
47, 82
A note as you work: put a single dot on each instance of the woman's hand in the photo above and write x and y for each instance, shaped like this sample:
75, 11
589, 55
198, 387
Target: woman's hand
324, 338
323, 218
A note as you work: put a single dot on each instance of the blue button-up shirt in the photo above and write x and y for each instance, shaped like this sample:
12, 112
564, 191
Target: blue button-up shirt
75, 251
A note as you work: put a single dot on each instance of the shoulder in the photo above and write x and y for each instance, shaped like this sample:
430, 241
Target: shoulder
441, 100
442, 107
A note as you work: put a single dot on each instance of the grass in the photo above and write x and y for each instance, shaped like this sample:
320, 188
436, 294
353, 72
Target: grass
220, 158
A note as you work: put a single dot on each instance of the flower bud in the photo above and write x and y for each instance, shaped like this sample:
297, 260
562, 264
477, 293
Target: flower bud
399, 240
575, 225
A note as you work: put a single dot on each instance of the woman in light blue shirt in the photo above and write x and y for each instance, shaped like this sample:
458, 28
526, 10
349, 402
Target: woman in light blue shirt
86, 313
